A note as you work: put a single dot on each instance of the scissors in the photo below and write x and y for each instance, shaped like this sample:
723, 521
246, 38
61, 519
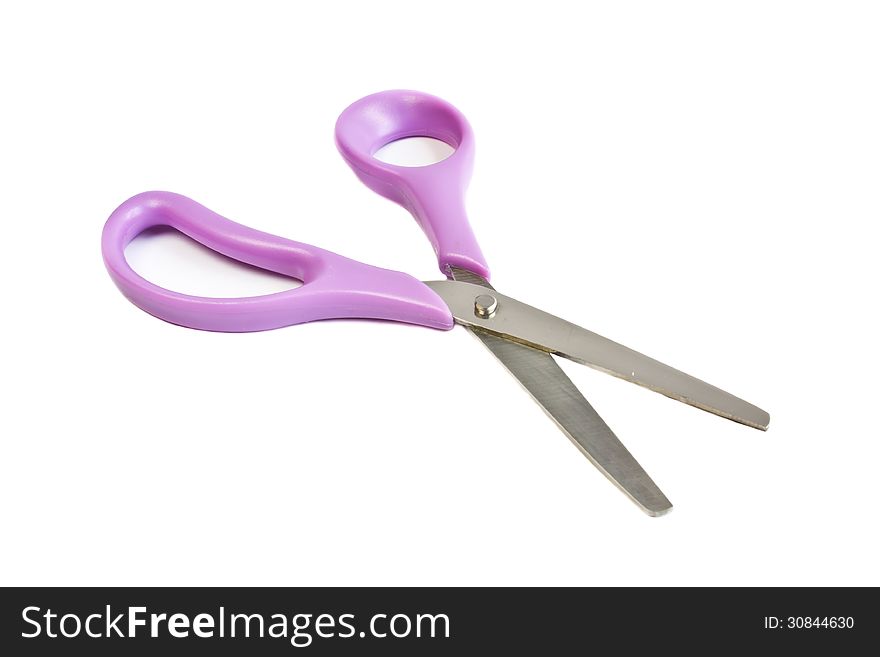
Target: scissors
523, 338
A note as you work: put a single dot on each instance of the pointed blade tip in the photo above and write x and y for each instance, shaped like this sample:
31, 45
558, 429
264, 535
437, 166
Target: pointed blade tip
656, 513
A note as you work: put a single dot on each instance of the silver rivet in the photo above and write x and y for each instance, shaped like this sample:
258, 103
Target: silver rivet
485, 305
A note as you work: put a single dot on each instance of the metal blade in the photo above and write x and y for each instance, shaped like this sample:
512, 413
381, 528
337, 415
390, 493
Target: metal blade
551, 388
513, 320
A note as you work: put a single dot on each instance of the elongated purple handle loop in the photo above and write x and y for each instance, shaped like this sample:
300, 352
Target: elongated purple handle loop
333, 286
434, 194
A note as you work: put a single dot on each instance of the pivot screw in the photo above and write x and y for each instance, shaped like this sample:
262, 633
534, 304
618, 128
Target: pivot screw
485, 306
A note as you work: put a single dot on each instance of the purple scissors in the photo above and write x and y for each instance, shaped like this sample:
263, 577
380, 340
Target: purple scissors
521, 337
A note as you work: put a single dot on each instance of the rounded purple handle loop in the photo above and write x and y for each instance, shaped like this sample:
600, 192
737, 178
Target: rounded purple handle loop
333, 286
434, 194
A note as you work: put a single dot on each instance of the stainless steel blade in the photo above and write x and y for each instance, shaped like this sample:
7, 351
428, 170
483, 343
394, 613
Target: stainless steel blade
513, 320
554, 392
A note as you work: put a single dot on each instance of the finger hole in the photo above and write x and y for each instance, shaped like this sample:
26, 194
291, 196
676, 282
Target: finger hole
168, 258
414, 152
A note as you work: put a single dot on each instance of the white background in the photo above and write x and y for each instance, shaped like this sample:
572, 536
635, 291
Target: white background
697, 181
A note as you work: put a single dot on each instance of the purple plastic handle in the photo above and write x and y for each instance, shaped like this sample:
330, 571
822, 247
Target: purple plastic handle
434, 194
333, 286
